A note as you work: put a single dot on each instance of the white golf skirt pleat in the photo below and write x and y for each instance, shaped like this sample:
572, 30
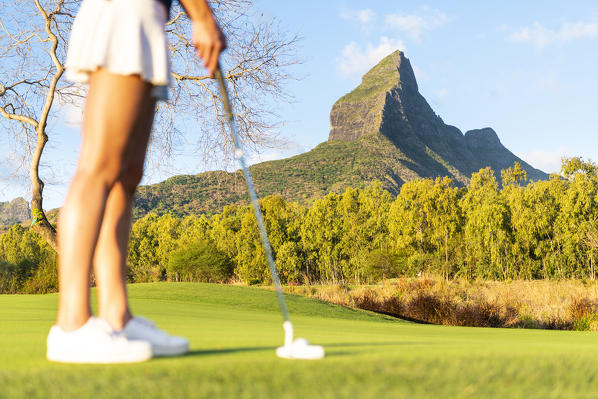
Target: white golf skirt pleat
125, 37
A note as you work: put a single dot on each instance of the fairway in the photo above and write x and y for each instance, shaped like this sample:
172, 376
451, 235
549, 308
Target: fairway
235, 330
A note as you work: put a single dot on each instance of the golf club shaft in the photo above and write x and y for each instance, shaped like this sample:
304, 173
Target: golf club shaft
240, 155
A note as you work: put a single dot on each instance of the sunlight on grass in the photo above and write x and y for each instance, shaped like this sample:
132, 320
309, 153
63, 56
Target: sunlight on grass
235, 330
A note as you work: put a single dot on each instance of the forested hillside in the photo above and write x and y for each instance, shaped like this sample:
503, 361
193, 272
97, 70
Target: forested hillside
544, 229
330, 167
15, 211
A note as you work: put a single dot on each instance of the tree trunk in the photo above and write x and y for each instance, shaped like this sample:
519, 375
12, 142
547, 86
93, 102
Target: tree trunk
41, 225
446, 259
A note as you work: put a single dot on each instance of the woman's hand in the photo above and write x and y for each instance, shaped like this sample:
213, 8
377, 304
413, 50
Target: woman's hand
209, 41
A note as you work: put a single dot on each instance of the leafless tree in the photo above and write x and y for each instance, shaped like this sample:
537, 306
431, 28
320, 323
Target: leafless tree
33, 43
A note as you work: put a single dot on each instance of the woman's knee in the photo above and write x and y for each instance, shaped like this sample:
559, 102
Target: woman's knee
131, 176
106, 173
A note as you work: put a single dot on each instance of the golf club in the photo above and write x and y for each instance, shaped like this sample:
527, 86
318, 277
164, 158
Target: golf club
292, 349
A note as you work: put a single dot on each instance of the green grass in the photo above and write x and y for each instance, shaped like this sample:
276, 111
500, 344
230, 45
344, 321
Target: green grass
234, 331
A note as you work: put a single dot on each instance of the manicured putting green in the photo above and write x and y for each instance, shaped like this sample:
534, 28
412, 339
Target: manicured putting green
235, 330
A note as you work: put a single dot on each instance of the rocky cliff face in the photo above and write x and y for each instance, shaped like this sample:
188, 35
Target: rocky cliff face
361, 111
15, 211
388, 102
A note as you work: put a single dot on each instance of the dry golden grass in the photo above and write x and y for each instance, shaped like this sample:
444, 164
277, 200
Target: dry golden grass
563, 305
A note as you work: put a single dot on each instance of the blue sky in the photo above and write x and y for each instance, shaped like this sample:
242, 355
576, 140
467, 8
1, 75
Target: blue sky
526, 69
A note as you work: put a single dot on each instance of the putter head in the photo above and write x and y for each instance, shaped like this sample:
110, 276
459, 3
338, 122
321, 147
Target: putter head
299, 348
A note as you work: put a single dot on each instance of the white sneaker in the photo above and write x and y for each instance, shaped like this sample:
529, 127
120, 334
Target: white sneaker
162, 344
95, 342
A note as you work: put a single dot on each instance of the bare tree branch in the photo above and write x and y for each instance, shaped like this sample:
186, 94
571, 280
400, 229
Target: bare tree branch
33, 44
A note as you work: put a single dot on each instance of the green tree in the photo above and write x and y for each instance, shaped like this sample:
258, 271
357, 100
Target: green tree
513, 176
153, 238
225, 228
579, 216
535, 210
290, 260
251, 264
410, 225
425, 221
321, 235
487, 232
446, 221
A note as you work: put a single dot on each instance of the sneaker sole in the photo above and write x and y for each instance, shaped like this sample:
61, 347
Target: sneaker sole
163, 351
61, 357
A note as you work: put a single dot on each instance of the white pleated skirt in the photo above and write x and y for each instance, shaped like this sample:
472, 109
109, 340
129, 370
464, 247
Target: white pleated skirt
125, 37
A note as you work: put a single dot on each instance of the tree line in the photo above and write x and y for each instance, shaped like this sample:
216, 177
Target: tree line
486, 231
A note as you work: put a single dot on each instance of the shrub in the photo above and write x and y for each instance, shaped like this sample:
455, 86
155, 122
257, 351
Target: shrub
44, 279
27, 263
8, 278
563, 305
201, 261
582, 313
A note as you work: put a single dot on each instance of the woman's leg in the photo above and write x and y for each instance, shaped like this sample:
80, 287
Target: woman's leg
111, 251
114, 108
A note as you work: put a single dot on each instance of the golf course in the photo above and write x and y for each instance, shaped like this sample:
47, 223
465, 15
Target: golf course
234, 332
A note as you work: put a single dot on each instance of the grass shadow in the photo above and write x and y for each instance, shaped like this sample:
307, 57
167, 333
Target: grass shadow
353, 344
226, 351
350, 348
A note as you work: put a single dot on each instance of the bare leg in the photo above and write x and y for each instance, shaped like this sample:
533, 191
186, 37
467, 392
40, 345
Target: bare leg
111, 251
112, 111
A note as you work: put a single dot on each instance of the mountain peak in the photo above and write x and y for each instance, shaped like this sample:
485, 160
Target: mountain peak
388, 103
482, 137
397, 68
359, 112
392, 71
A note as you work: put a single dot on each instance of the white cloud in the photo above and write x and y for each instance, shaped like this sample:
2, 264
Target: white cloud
364, 17
548, 161
415, 25
540, 36
356, 60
